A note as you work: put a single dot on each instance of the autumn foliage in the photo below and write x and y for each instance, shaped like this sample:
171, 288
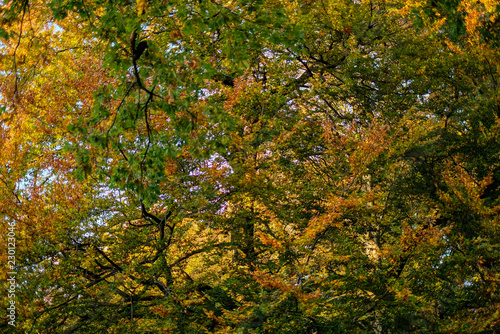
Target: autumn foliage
260, 166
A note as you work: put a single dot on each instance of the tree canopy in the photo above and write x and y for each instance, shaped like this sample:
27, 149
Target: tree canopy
263, 166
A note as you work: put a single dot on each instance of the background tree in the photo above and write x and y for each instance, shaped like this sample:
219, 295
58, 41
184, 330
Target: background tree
252, 167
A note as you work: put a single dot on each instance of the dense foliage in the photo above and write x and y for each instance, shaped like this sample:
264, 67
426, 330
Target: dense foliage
263, 166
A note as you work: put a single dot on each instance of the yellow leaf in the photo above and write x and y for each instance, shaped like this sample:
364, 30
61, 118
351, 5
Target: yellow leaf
141, 6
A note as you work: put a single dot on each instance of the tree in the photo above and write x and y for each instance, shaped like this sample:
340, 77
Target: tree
252, 167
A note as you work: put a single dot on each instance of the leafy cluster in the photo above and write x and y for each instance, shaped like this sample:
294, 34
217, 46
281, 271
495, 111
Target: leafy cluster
263, 166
